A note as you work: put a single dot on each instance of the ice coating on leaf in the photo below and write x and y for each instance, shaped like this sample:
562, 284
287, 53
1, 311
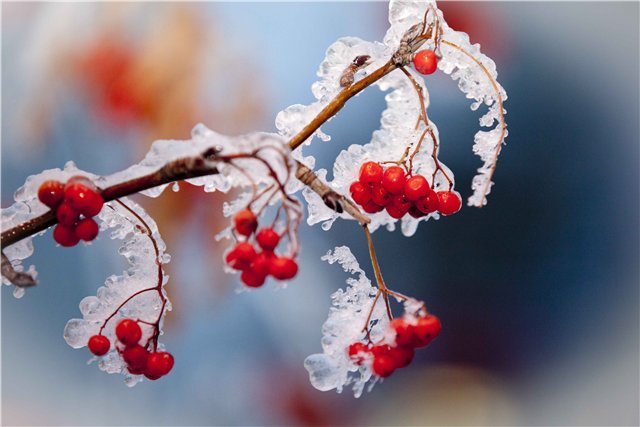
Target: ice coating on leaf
140, 279
333, 369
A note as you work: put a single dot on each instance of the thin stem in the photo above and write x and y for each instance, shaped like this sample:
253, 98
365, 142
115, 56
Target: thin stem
377, 272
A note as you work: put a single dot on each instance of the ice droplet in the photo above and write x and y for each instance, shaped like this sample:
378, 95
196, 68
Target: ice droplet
323, 372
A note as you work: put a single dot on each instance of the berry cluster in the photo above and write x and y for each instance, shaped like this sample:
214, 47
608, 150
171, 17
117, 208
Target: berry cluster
139, 360
75, 204
391, 189
258, 263
386, 358
425, 62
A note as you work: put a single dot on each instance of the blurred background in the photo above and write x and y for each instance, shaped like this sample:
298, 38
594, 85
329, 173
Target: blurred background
537, 292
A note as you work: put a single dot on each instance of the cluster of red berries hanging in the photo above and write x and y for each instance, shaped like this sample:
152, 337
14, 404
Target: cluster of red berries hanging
391, 189
425, 61
258, 262
139, 360
75, 204
384, 359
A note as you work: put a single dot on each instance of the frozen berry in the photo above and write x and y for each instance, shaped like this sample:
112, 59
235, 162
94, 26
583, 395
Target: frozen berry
67, 215
426, 330
245, 222
99, 345
94, 204
380, 195
241, 256
360, 193
283, 268
252, 278
372, 207
425, 62
370, 173
268, 239
356, 351
402, 355
416, 187
78, 195
136, 358
404, 331
449, 202
429, 203
383, 365
158, 364
128, 332
51, 193
65, 236
261, 263
394, 179
87, 229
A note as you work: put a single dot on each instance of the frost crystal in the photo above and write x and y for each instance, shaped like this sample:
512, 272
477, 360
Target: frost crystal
134, 294
350, 307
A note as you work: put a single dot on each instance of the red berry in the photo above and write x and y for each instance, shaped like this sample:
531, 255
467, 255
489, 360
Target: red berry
372, 207
158, 364
128, 332
393, 180
401, 202
268, 239
67, 215
380, 350
51, 193
94, 202
78, 195
449, 202
245, 222
404, 332
416, 187
65, 236
402, 355
241, 256
383, 365
429, 203
395, 212
426, 330
425, 62
87, 229
261, 263
370, 173
380, 195
360, 193
283, 268
99, 345
136, 358
252, 278
415, 212
356, 351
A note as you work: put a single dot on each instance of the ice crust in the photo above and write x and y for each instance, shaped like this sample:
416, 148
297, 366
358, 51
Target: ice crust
332, 369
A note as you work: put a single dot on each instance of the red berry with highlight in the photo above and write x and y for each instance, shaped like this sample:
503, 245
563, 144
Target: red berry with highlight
268, 239
449, 202
94, 204
51, 193
78, 195
245, 222
241, 256
67, 215
372, 207
356, 351
380, 195
425, 62
429, 203
404, 332
65, 236
426, 330
394, 179
360, 193
283, 268
128, 332
370, 173
261, 263
99, 345
136, 358
87, 229
158, 364
416, 187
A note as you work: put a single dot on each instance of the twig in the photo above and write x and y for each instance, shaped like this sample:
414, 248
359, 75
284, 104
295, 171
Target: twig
18, 278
